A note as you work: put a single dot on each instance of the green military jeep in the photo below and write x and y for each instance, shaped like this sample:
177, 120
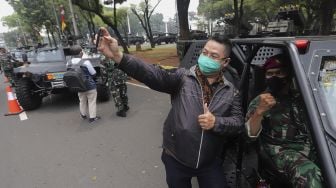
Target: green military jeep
313, 66
44, 76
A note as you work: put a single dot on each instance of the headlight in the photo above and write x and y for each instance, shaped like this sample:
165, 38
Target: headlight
50, 76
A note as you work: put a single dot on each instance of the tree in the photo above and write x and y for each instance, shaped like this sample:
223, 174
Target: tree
327, 11
157, 23
144, 12
33, 14
97, 8
90, 23
10, 38
115, 2
239, 12
182, 11
122, 23
39, 15
215, 8
135, 24
318, 14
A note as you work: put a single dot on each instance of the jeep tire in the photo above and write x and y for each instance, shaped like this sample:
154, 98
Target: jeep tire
103, 92
24, 92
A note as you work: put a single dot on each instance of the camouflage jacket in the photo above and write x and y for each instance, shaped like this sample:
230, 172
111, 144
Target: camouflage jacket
8, 63
115, 75
284, 126
5, 62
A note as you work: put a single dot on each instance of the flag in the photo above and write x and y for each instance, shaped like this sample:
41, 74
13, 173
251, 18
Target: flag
63, 24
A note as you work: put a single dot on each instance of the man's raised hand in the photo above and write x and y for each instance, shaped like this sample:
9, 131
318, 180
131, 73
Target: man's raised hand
109, 46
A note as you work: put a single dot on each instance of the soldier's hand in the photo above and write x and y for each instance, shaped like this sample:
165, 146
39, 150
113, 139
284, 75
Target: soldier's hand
206, 120
109, 46
266, 102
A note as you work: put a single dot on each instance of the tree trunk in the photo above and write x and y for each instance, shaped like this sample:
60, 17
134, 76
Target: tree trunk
182, 11
241, 11
115, 14
53, 38
90, 29
326, 17
236, 17
147, 17
145, 23
93, 27
48, 37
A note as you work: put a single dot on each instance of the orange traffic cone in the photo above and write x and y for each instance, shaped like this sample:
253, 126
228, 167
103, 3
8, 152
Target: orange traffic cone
13, 105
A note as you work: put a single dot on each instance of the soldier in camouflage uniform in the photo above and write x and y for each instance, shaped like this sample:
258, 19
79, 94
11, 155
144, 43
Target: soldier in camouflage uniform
7, 65
278, 116
2, 58
117, 79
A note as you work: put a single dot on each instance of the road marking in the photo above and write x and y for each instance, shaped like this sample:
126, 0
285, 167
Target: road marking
138, 85
23, 116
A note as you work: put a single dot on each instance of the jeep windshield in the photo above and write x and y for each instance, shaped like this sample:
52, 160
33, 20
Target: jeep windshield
327, 84
49, 56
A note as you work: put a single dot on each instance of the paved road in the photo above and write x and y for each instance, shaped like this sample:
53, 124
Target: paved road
54, 148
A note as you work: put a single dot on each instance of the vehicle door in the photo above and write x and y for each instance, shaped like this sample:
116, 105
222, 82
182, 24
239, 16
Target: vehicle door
320, 94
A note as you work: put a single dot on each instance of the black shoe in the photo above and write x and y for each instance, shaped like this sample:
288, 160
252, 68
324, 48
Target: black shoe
91, 120
83, 116
126, 108
121, 113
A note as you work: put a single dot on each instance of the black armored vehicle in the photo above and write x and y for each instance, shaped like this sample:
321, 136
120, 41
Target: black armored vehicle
313, 70
164, 38
44, 76
132, 39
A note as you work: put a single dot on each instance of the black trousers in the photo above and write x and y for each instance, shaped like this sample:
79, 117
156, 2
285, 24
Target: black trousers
179, 175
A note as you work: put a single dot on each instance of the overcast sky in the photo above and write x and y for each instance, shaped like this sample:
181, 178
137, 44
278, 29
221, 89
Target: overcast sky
166, 7
5, 10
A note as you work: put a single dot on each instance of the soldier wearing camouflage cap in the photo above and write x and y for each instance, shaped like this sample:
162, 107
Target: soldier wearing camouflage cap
7, 65
117, 80
278, 117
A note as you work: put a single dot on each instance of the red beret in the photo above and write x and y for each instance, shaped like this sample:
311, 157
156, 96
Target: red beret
273, 63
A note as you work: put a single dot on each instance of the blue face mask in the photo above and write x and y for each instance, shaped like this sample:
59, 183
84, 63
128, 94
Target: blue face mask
208, 66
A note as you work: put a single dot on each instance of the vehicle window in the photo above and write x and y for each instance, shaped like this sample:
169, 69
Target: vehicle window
30, 54
49, 56
263, 54
327, 84
17, 54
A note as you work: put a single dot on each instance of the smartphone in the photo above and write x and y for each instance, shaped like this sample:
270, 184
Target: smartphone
98, 38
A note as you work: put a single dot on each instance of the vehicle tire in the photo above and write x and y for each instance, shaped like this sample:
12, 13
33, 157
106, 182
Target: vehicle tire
103, 92
24, 93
